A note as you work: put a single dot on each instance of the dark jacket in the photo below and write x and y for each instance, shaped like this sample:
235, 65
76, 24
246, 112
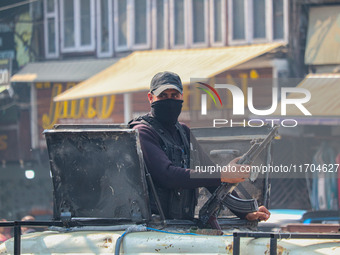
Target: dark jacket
166, 152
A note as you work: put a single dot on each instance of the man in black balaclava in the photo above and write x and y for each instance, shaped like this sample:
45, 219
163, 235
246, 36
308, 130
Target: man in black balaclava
166, 150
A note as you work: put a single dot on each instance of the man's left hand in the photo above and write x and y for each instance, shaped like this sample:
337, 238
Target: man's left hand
261, 214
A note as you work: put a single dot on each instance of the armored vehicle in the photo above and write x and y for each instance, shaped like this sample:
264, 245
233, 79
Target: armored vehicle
101, 201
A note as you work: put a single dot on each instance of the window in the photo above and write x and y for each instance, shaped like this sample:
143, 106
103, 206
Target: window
160, 24
50, 6
238, 22
259, 18
104, 28
51, 28
132, 23
68, 24
278, 19
199, 22
140, 15
257, 21
218, 22
178, 23
77, 25
160, 28
121, 24
85, 22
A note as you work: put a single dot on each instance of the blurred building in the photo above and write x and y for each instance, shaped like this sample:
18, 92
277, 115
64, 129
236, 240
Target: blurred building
314, 54
112, 48
24, 174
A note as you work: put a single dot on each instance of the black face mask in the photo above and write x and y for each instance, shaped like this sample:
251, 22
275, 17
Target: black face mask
167, 111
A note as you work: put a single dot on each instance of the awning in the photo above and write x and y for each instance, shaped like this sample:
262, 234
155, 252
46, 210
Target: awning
325, 91
62, 71
134, 72
324, 104
323, 37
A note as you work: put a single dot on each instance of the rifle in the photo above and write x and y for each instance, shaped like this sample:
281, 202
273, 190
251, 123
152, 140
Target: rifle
222, 195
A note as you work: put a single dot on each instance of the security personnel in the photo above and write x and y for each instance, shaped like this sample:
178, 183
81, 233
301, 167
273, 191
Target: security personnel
166, 150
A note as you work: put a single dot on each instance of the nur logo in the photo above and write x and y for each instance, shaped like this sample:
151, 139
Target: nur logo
204, 97
239, 99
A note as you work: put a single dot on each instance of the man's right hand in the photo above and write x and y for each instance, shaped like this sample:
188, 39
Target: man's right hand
236, 173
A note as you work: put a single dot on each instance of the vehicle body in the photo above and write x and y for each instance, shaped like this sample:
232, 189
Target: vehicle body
101, 202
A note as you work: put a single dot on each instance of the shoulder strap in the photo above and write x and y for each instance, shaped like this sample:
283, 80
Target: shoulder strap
136, 121
166, 138
151, 122
183, 137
